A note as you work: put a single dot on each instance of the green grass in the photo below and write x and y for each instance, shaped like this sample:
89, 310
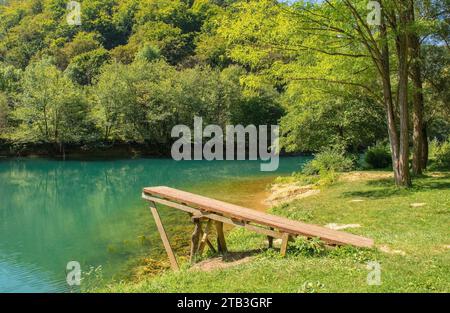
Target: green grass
422, 234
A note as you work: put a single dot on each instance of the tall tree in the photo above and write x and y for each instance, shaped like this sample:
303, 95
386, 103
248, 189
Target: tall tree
51, 109
420, 140
330, 33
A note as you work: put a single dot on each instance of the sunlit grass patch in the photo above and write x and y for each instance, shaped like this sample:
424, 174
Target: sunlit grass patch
411, 245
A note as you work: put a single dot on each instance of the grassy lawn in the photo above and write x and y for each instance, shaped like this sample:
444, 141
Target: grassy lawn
412, 245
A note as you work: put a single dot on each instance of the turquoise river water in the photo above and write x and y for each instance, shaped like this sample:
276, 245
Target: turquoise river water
53, 212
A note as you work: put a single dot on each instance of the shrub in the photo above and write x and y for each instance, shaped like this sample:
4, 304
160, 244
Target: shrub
432, 148
331, 160
378, 156
307, 247
440, 153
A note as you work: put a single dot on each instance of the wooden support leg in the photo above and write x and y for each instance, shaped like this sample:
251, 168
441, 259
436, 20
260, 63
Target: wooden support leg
205, 240
165, 239
221, 244
284, 244
195, 239
210, 245
270, 239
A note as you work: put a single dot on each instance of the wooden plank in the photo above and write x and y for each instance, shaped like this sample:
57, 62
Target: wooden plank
270, 239
240, 213
256, 229
164, 238
221, 243
195, 239
198, 213
284, 244
210, 245
171, 204
205, 237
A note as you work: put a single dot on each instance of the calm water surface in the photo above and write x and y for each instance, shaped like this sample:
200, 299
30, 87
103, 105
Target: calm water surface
53, 212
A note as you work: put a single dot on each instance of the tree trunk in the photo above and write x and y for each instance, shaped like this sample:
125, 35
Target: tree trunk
425, 146
420, 142
403, 74
389, 104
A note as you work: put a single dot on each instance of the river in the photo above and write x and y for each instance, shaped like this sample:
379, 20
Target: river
53, 212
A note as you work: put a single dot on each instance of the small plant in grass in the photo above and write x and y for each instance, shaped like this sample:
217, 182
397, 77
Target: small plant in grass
302, 215
358, 255
271, 254
307, 247
311, 287
378, 156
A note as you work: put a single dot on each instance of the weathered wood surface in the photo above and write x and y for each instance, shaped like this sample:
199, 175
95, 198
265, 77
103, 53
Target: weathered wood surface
219, 218
284, 244
221, 243
205, 240
204, 206
165, 239
195, 239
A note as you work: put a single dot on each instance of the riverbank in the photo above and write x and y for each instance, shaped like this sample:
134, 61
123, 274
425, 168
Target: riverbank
97, 150
410, 229
100, 150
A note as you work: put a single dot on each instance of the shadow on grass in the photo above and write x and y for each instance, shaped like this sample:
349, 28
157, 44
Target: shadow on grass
229, 259
384, 188
239, 255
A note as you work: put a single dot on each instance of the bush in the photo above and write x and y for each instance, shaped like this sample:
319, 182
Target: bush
307, 247
331, 160
378, 156
440, 154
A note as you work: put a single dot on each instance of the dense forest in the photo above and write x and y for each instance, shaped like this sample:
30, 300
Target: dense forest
132, 69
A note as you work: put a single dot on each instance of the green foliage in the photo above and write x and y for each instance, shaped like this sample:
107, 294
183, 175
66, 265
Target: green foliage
440, 154
436, 68
143, 100
82, 43
315, 120
261, 108
120, 96
149, 53
378, 156
9, 78
136, 59
238, 62
97, 17
86, 66
4, 111
170, 40
307, 247
23, 41
329, 160
51, 109
324, 169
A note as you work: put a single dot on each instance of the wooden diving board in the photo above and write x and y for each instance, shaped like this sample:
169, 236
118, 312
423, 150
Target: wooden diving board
206, 209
